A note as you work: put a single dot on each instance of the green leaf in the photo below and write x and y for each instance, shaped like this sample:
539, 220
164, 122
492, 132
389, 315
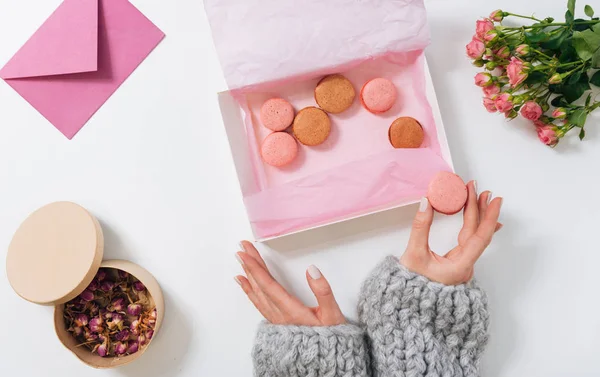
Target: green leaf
596, 59
567, 51
587, 42
595, 79
536, 36
569, 17
581, 134
578, 117
556, 40
574, 78
588, 100
589, 11
558, 101
571, 6
573, 92
581, 27
555, 88
536, 77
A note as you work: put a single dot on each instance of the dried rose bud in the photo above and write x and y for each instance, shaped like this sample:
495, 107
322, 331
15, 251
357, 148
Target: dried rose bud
93, 308
135, 327
107, 286
120, 348
149, 334
142, 340
81, 320
117, 318
101, 275
139, 286
134, 309
133, 347
122, 274
96, 324
87, 295
118, 304
78, 331
89, 336
122, 335
101, 349
93, 286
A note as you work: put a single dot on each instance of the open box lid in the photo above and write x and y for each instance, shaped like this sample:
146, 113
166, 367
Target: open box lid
55, 254
261, 41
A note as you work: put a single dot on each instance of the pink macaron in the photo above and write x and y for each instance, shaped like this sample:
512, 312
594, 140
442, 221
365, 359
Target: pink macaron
276, 114
447, 193
378, 95
279, 149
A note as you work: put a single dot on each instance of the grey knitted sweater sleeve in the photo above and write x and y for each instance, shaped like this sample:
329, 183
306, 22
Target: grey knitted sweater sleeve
298, 351
416, 327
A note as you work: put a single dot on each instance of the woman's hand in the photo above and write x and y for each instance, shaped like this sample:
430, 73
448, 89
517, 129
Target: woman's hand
456, 267
276, 304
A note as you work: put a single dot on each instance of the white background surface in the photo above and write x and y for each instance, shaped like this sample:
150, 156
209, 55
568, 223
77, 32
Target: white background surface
154, 166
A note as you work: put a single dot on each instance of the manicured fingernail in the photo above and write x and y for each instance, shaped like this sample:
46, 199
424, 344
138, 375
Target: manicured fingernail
242, 248
314, 272
489, 199
237, 280
424, 204
501, 201
239, 259
475, 186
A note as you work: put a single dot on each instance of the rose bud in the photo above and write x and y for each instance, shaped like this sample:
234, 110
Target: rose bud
120, 348
523, 49
101, 275
87, 295
133, 347
101, 349
478, 63
135, 327
107, 286
123, 274
89, 336
559, 113
93, 286
491, 36
81, 320
96, 324
555, 79
122, 335
117, 318
497, 15
483, 79
503, 52
490, 66
134, 309
139, 286
142, 340
118, 304
149, 334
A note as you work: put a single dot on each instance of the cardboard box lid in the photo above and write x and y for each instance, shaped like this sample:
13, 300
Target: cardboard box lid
55, 254
261, 41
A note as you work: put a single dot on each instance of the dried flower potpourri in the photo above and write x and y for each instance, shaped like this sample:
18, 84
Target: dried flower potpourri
113, 316
544, 71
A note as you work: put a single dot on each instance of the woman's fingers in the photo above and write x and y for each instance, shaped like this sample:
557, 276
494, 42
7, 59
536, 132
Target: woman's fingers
477, 243
483, 202
248, 247
419, 235
329, 308
259, 304
269, 286
471, 212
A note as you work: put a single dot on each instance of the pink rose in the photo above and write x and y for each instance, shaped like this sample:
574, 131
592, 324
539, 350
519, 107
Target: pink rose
475, 49
547, 135
482, 27
491, 36
490, 91
516, 72
522, 49
503, 52
531, 110
489, 105
559, 113
483, 79
503, 102
555, 79
497, 15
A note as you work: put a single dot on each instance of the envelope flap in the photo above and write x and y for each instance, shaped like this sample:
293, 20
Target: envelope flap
266, 40
66, 43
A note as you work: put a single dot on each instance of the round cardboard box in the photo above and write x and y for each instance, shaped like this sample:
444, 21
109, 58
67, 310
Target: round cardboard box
94, 360
54, 255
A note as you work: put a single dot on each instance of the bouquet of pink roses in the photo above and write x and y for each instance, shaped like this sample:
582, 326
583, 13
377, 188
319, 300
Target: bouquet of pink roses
542, 71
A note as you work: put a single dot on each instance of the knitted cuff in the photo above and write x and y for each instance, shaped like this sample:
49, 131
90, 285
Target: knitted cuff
415, 325
294, 351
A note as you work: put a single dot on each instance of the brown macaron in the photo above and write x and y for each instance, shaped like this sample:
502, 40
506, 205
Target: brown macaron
334, 94
311, 126
406, 132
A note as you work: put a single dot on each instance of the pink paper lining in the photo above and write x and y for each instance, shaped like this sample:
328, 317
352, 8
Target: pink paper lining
356, 170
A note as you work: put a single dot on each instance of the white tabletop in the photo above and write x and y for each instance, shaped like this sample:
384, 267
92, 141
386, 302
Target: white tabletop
154, 166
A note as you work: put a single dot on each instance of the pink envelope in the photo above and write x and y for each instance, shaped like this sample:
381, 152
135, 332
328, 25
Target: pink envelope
79, 57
